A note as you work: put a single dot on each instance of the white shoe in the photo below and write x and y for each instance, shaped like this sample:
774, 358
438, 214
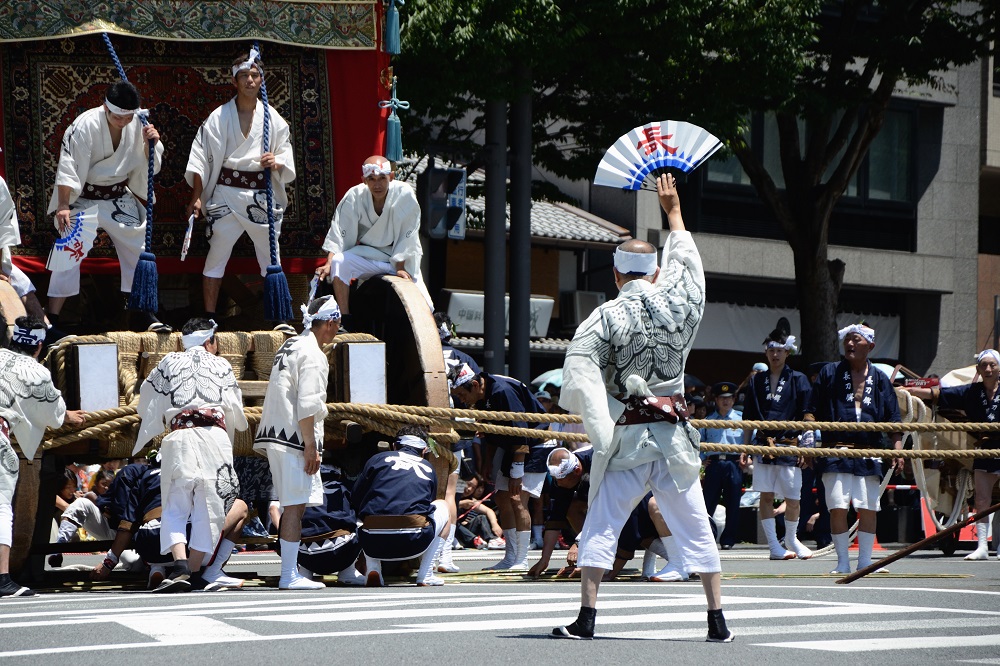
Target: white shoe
224, 581
840, 571
783, 555
450, 567
979, 554
502, 565
519, 566
430, 581
668, 574
297, 582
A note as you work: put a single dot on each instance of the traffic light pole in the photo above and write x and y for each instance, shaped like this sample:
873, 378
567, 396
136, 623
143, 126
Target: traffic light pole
495, 259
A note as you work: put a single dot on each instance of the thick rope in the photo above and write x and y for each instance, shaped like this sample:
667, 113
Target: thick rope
269, 190
138, 299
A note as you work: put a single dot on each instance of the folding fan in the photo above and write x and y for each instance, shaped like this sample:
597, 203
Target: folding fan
71, 249
653, 148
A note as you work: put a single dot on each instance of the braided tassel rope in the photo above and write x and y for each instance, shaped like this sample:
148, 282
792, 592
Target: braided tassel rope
145, 282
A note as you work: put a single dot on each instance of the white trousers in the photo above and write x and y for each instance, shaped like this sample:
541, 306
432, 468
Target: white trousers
6, 524
782, 480
128, 240
228, 228
85, 513
683, 510
348, 266
20, 282
291, 483
844, 489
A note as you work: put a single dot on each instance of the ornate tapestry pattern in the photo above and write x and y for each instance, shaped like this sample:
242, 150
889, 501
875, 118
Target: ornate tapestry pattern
47, 84
320, 23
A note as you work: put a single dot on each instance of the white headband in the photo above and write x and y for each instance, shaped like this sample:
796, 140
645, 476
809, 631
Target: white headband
987, 353
788, 344
635, 263
564, 468
29, 337
444, 331
119, 111
329, 310
377, 169
412, 441
251, 61
199, 338
465, 375
862, 330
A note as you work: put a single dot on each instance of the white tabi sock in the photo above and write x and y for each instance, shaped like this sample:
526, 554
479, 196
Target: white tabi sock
674, 570
222, 553
289, 559
350, 576
427, 560
842, 544
446, 564
792, 542
536, 533
648, 563
523, 541
982, 551
771, 532
510, 536
67, 529
866, 541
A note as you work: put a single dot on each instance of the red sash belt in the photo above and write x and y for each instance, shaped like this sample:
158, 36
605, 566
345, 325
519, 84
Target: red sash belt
249, 180
4, 429
653, 409
106, 192
198, 418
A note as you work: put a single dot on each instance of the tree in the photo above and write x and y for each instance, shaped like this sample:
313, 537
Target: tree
830, 66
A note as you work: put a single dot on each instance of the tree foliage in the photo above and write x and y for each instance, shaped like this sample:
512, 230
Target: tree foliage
602, 67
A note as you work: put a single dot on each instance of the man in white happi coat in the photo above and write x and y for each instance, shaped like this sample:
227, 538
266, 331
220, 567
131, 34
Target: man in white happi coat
226, 172
624, 373
195, 396
375, 231
104, 162
29, 404
291, 429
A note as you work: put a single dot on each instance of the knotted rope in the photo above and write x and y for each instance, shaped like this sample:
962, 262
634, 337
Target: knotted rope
393, 128
277, 296
145, 282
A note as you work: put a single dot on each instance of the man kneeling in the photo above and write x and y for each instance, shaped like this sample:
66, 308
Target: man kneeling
394, 498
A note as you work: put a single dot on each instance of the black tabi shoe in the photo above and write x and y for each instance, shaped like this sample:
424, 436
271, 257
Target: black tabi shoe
581, 630
8, 588
177, 581
717, 631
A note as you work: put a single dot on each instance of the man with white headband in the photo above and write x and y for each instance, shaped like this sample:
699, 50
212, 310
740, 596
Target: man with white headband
29, 404
290, 433
394, 498
194, 395
104, 162
855, 391
225, 170
515, 463
624, 373
981, 403
779, 394
375, 231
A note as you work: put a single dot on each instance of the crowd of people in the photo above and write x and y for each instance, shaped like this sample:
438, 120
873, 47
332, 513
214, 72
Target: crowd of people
641, 483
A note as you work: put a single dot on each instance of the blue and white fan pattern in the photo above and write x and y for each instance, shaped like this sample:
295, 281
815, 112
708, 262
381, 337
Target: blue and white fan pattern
652, 148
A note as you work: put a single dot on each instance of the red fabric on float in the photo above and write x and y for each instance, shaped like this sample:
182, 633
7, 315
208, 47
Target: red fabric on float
358, 124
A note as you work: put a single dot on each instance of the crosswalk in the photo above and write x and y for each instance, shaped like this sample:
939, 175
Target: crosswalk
811, 621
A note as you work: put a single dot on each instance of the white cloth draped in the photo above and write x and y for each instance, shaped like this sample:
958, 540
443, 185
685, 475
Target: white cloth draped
10, 233
29, 402
647, 331
296, 390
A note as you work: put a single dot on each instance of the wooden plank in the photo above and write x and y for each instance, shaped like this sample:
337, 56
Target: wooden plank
25, 510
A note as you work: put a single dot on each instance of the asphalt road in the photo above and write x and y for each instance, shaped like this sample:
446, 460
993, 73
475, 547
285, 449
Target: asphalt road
928, 609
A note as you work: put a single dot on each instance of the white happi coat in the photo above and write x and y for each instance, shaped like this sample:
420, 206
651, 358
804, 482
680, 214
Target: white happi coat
198, 379
10, 233
220, 143
391, 237
647, 331
87, 156
30, 403
296, 390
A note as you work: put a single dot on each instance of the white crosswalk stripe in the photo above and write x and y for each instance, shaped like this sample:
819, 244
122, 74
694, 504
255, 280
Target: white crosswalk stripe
624, 613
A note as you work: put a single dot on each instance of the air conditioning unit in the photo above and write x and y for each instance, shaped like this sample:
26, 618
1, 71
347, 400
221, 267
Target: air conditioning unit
576, 306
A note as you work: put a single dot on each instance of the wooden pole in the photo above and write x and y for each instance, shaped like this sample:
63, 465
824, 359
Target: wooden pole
900, 554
